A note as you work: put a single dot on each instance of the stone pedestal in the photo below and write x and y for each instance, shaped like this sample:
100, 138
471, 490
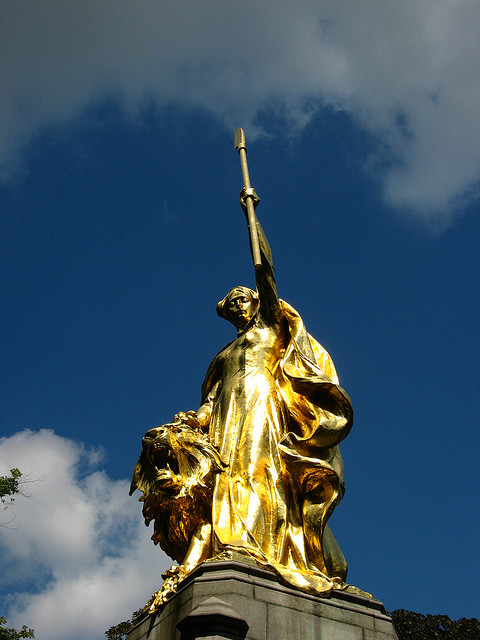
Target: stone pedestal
241, 601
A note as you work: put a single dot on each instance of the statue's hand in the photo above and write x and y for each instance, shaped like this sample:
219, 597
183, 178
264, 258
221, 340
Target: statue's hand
189, 418
248, 193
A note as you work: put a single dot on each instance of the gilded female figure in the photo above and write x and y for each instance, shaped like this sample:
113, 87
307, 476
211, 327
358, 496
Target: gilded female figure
274, 411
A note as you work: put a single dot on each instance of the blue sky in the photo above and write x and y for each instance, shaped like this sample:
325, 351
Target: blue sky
121, 229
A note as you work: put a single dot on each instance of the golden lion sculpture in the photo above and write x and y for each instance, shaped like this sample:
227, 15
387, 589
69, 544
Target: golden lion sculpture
175, 473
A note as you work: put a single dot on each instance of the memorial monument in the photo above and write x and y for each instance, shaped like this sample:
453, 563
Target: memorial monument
240, 490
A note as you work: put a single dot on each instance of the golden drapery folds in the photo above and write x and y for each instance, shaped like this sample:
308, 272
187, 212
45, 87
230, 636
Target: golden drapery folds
272, 414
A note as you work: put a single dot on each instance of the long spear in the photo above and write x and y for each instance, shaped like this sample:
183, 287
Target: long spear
242, 152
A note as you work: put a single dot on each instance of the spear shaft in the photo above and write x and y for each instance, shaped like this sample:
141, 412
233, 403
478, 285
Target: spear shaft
251, 218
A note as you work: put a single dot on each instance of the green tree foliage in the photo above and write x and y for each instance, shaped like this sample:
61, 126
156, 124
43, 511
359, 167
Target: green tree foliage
119, 631
10, 486
417, 626
13, 634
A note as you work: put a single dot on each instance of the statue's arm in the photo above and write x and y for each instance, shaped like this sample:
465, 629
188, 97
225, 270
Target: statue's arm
266, 284
210, 391
264, 274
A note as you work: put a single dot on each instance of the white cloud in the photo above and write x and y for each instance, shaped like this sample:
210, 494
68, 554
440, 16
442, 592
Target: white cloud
78, 558
406, 71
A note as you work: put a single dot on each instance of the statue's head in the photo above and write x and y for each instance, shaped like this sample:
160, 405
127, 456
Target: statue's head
238, 306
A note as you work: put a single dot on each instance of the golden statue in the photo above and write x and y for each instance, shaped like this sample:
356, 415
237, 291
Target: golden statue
256, 470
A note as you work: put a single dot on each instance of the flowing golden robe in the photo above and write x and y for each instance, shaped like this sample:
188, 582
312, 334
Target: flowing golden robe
276, 414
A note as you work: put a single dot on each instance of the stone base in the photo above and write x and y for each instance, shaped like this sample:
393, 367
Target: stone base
241, 601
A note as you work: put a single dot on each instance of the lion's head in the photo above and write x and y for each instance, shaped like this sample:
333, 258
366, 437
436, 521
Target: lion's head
175, 473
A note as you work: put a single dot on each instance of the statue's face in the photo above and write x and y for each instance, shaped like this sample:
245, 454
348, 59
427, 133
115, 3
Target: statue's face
240, 309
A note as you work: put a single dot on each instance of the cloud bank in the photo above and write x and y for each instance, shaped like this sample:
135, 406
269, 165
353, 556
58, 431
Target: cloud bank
405, 71
77, 557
